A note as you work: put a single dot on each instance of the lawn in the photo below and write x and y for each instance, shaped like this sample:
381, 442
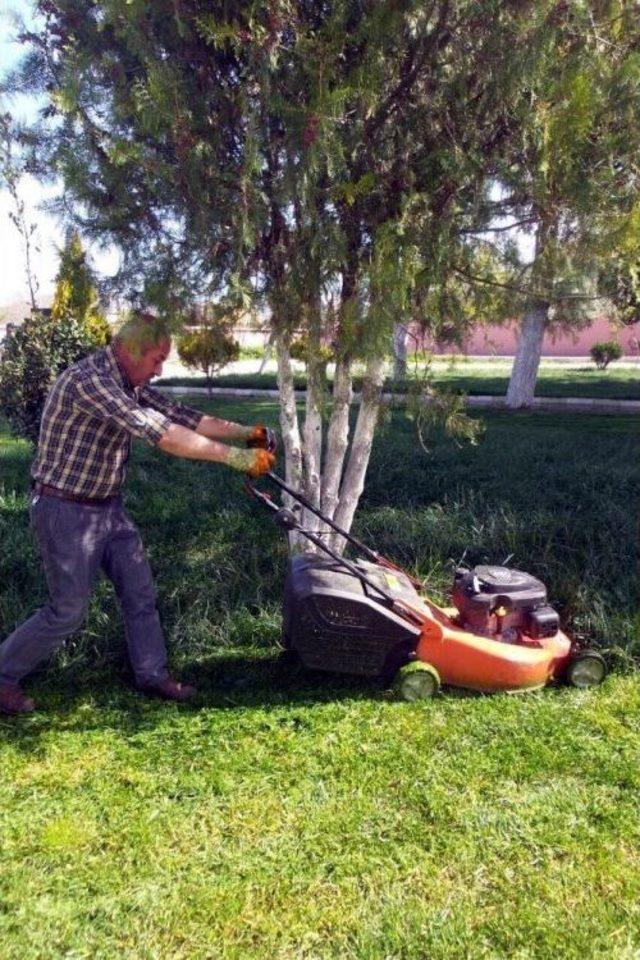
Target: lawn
301, 817
476, 377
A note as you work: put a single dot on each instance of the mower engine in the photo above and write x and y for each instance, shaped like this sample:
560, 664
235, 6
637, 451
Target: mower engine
503, 603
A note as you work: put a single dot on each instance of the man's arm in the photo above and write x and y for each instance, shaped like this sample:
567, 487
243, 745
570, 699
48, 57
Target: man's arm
172, 409
216, 429
109, 402
212, 427
183, 442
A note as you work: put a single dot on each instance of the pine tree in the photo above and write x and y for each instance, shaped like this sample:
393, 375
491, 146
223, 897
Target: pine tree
76, 301
317, 160
36, 352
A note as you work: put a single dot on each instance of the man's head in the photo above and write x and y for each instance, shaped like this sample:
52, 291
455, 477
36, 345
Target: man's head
142, 345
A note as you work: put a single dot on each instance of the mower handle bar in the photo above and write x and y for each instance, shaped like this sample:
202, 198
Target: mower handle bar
367, 552
397, 606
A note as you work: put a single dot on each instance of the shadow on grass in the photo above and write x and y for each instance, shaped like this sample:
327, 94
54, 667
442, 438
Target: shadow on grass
79, 702
259, 681
547, 490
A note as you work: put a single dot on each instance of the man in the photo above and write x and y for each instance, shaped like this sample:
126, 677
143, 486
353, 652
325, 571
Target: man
91, 413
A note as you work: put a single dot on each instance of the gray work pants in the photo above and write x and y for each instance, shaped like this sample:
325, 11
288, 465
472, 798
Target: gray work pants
76, 541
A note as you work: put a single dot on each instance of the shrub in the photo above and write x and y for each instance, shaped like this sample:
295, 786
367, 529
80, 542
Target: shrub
208, 350
603, 353
34, 354
255, 352
299, 350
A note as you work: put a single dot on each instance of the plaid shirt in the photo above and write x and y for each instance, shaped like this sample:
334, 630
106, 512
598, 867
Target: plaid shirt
89, 417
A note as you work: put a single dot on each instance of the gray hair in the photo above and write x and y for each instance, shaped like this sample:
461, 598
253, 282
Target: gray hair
141, 331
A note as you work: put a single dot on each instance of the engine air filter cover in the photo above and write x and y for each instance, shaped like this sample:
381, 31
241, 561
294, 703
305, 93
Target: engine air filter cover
492, 599
482, 585
512, 582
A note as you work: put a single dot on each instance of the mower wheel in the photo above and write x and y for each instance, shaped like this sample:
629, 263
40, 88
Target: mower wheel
586, 669
416, 681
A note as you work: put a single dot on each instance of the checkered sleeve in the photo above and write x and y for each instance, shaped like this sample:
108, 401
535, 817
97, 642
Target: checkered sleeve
176, 412
103, 398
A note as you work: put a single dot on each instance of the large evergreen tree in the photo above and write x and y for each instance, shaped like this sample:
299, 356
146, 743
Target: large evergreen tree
320, 159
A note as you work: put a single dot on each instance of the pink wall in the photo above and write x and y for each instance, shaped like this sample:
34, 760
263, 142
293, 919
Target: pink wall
501, 341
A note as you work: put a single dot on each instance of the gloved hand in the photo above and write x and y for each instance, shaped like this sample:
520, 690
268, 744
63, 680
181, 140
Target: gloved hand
254, 462
263, 438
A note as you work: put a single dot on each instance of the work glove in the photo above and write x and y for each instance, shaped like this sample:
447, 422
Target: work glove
255, 462
263, 438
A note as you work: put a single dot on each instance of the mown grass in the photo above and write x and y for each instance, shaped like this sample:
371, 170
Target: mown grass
305, 817
475, 378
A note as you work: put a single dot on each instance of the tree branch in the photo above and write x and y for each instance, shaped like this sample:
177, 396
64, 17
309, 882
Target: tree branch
530, 293
414, 62
509, 226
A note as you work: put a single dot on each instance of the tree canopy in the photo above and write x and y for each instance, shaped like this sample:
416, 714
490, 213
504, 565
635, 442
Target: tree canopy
569, 177
331, 163
203, 137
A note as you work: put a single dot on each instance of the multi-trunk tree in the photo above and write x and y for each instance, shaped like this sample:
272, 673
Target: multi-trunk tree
318, 160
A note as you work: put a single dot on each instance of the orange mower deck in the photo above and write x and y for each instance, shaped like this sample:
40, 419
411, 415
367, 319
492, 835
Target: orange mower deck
465, 659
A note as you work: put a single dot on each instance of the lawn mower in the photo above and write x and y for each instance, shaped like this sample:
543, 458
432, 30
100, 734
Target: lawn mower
368, 617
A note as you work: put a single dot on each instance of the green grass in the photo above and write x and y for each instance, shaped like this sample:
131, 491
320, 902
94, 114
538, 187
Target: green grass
302, 817
476, 378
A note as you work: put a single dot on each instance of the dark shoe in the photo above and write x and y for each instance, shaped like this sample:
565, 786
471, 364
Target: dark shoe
168, 689
14, 700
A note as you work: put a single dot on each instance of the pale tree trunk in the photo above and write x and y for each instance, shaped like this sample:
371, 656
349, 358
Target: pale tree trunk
399, 351
268, 349
322, 481
290, 428
353, 482
524, 374
338, 432
312, 432
337, 437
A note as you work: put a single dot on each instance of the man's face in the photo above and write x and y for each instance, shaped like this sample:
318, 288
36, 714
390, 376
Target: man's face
150, 363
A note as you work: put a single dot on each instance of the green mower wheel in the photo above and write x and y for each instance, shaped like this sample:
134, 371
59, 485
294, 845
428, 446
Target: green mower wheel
416, 681
586, 669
